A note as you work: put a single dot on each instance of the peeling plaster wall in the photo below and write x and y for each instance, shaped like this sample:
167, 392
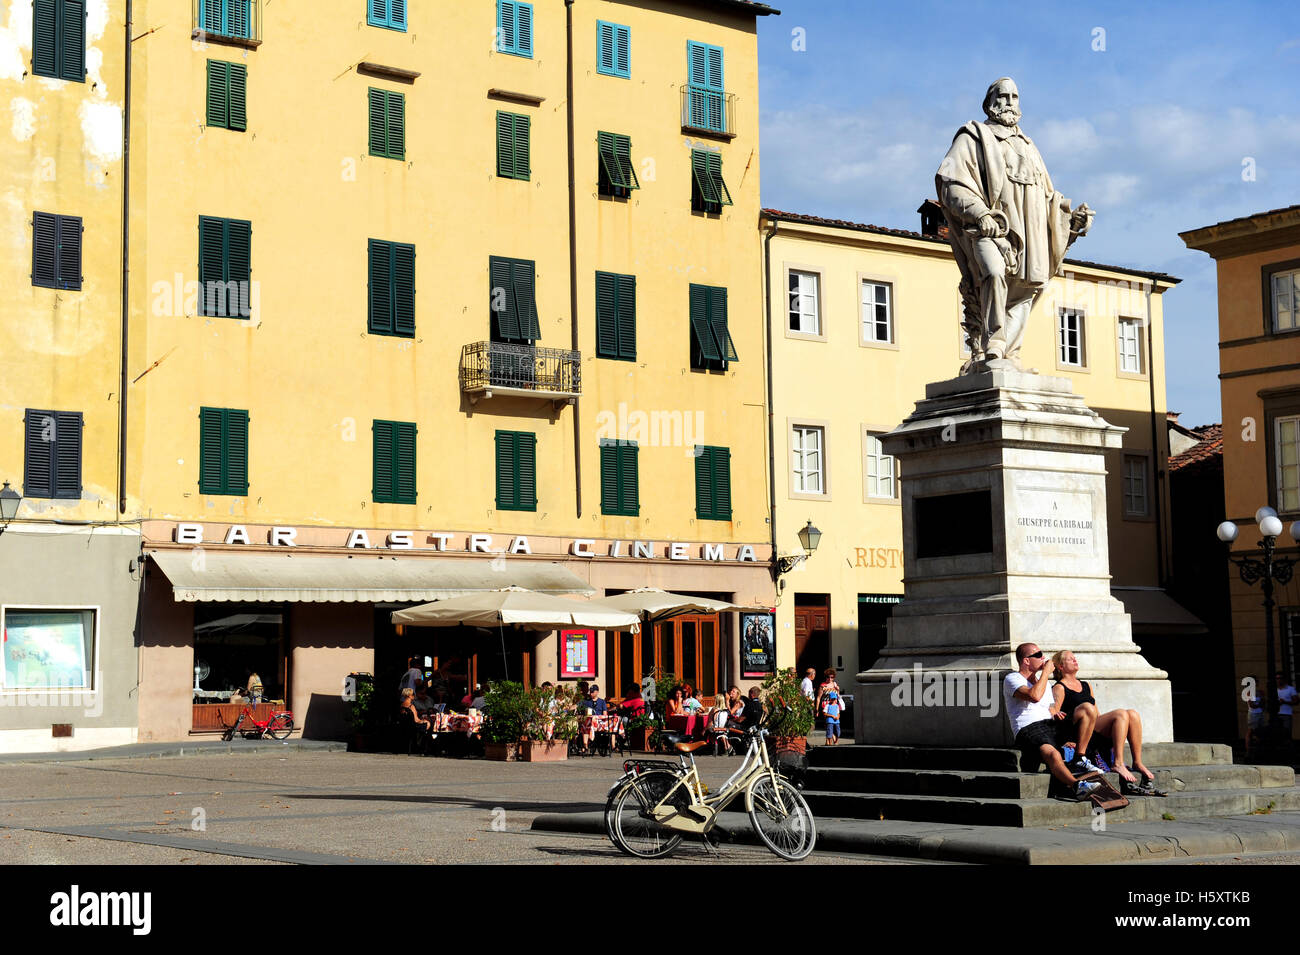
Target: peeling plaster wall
61, 153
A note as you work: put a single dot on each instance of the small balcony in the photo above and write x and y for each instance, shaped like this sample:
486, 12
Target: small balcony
708, 111
232, 22
529, 371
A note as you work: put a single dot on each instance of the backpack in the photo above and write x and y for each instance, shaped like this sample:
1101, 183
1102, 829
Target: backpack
1105, 797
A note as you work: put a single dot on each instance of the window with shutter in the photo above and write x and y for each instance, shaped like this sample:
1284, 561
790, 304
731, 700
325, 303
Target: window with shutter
516, 460
712, 483
394, 462
227, 18
613, 46
223, 451
515, 28
227, 86
711, 343
709, 191
59, 39
513, 134
56, 251
706, 93
619, 485
615, 316
391, 290
617, 177
387, 124
387, 13
512, 300
52, 454
225, 267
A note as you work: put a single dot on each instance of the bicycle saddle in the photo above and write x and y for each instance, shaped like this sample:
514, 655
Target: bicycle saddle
690, 747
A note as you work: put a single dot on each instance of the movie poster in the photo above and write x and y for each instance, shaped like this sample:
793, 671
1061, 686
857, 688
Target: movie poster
757, 644
577, 654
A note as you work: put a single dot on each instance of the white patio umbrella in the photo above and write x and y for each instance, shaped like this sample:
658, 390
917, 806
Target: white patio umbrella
518, 608
653, 603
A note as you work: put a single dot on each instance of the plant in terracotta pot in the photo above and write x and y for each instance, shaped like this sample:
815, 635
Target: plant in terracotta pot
790, 715
507, 709
361, 711
551, 722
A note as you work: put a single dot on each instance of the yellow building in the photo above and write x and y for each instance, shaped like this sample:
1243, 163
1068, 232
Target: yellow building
68, 580
860, 319
1257, 259
411, 275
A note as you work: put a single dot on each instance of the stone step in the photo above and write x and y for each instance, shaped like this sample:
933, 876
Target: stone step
1007, 785
1023, 813
993, 759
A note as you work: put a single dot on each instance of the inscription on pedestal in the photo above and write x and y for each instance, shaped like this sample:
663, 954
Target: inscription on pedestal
1052, 522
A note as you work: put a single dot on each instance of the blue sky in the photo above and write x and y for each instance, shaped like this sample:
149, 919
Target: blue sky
1152, 131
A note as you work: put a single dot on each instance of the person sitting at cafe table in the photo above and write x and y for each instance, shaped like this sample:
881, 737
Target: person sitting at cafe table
753, 711
254, 687
408, 705
674, 706
423, 705
633, 704
593, 705
690, 703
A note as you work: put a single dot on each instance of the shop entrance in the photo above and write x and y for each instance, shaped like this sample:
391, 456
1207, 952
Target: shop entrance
874, 611
688, 647
812, 633
454, 658
232, 643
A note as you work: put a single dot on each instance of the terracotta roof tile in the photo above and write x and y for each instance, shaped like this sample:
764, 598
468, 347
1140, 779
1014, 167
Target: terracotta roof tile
1207, 454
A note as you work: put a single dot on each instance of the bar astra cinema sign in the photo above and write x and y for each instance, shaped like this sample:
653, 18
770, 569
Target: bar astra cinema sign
483, 544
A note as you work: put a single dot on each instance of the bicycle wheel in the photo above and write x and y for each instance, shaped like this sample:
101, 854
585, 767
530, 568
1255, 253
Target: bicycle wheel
280, 727
635, 834
781, 819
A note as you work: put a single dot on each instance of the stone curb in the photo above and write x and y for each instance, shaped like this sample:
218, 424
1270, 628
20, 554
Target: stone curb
1167, 842
182, 748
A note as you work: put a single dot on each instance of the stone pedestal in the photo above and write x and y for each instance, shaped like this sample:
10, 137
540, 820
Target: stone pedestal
1004, 542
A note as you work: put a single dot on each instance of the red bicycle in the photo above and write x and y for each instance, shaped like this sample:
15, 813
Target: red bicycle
277, 725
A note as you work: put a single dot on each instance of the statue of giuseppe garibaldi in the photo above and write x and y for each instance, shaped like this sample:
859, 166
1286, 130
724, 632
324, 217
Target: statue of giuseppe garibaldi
1008, 227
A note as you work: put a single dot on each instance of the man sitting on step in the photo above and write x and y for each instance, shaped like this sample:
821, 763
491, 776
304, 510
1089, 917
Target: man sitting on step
1033, 715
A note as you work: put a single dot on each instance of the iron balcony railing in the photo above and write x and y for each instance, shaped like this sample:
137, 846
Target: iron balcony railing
520, 369
236, 20
708, 110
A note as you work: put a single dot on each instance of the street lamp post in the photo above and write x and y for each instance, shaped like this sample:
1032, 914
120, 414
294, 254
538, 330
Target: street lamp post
9, 501
809, 538
1267, 570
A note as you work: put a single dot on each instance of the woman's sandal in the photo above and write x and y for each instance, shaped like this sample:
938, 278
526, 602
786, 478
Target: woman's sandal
1145, 787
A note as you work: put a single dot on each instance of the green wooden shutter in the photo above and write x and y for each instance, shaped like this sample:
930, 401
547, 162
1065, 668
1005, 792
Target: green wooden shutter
628, 479
380, 315
68, 254
606, 315
67, 452
403, 289
38, 454
718, 324
722, 483
623, 159
44, 249
505, 320
236, 427
523, 157
381, 485
378, 123
627, 317
700, 326
505, 145
239, 267
526, 448
704, 192
218, 93
45, 53
507, 498
716, 181
72, 43
212, 265
703, 483
523, 272
404, 454
396, 118
211, 455
238, 96
609, 488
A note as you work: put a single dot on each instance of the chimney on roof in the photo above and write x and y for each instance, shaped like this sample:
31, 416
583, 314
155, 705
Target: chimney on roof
932, 220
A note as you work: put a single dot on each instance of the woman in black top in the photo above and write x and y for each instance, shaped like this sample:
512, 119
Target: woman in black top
1074, 699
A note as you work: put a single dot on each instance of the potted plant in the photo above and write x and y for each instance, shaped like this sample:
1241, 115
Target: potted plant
361, 715
790, 715
551, 722
507, 710
643, 732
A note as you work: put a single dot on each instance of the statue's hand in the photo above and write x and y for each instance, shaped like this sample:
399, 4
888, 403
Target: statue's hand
1081, 219
989, 227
